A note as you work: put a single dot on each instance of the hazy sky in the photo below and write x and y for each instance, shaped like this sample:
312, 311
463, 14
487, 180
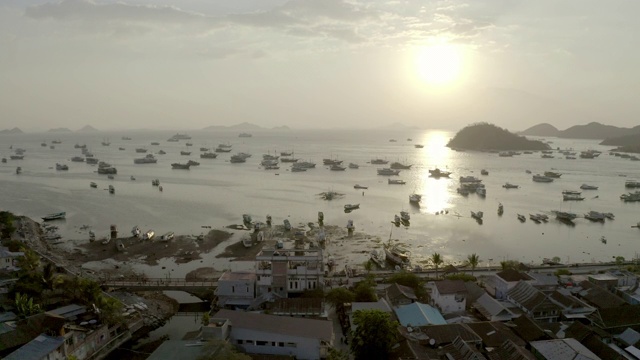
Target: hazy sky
187, 64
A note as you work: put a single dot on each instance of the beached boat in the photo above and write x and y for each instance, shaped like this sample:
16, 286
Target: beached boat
167, 236
350, 207
135, 232
180, 166
357, 186
287, 224
540, 178
148, 235
55, 216
247, 241
377, 258
415, 198
437, 173
510, 186
396, 182
397, 255
388, 171
588, 187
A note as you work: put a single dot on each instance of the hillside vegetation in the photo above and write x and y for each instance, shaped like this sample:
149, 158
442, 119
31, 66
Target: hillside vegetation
484, 136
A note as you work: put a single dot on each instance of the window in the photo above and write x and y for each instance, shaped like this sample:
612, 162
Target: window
248, 342
233, 289
239, 342
261, 343
280, 344
290, 344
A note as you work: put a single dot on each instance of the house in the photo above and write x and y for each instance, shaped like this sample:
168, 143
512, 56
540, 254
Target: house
236, 289
442, 335
533, 302
288, 273
306, 339
597, 296
508, 350
300, 307
418, 314
449, 296
617, 320
625, 278
25, 330
397, 295
561, 349
42, 347
502, 282
546, 282
572, 307
494, 334
177, 349
606, 281
7, 258
492, 310
529, 330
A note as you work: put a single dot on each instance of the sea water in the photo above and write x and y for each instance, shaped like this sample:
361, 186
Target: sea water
218, 192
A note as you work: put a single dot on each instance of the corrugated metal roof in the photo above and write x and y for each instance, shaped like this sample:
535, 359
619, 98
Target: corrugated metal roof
563, 349
284, 325
418, 314
37, 348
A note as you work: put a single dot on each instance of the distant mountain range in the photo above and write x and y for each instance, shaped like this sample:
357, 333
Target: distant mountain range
60, 130
626, 140
593, 130
15, 130
484, 136
245, 126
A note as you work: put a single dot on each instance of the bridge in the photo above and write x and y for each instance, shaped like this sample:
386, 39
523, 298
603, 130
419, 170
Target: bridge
158, 284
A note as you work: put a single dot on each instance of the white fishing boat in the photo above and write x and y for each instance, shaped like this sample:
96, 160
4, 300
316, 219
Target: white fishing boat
377, 257
588, 187
167, 236
135, 232
148, 235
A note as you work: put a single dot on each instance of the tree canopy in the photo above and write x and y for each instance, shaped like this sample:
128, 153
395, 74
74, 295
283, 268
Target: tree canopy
374, 336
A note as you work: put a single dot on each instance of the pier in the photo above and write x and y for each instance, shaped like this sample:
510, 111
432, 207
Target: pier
159, 284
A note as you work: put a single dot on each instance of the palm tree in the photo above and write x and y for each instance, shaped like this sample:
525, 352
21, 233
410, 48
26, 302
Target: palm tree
473, 259
436, 259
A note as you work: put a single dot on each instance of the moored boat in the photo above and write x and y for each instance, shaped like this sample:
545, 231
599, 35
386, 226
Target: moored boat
55, 216
388, 171
415, 198
477, 215
397, 255
357, 186
540, 178
437, 173
396, 165
404, 216
552, 174
595, 216
588, 187
396, 182
522, 218
350, 207
93, 185
510, 186
180, 166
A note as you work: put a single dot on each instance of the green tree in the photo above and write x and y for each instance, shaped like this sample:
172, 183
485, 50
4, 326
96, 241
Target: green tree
510, 264
221, 350
6, 224
339, 296
335, 354
473, 259
364, 292
25, 306
620, 260
374, 336
368, 266
29, 262
205, 319
562, 272
436, 260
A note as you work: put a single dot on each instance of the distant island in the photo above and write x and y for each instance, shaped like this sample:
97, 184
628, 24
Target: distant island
484, 136
245, 126
15, 130
626, 140
60, 130
88, 128
593, 131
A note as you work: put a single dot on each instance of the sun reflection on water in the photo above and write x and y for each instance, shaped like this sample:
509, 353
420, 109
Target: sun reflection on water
435, 154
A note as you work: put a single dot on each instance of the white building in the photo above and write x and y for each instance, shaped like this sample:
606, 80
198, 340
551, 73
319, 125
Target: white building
449, 296
285, 272
305, 339
236, 289
499, 284
7, 258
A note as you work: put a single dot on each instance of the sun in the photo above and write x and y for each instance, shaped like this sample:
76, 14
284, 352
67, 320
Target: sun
439, 64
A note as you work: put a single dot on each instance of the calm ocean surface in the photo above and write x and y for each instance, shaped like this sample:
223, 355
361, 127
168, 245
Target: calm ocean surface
217, 192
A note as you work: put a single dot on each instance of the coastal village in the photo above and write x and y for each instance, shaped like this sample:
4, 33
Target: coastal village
295, 301
295, 304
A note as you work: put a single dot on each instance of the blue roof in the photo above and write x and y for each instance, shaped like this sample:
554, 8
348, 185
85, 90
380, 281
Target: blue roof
37, 348
418, 314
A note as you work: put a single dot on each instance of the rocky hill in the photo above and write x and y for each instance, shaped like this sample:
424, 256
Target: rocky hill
60, 130
88, 128
543, 129
15, 130
626, 140
596, 131
485, 136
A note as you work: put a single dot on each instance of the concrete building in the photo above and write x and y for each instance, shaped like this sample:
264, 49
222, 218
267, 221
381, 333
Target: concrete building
502, 282
305, 339
236, 289
286, 272
534, 302
7, 258
418, 314
449, 296
492, 310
